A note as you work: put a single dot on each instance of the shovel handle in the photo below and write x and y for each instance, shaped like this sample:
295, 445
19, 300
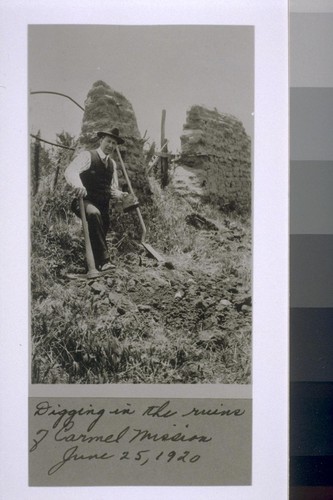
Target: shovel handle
89, 253
125, 172
142, 224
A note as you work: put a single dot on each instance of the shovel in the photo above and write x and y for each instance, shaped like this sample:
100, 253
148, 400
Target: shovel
148, 247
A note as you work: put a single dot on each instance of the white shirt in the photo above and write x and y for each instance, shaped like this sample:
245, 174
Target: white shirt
81, 163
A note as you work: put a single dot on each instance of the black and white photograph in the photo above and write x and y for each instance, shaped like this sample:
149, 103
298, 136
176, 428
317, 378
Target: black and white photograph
145, 195
141, 153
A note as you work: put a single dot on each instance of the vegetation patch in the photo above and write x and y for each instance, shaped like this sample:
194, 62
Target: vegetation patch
187, 320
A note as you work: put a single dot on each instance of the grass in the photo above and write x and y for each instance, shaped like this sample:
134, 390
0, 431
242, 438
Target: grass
133, 327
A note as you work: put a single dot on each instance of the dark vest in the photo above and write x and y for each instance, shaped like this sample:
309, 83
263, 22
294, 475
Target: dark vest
97, 180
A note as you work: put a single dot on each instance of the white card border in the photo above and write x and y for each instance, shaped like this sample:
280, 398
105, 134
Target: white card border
270, 449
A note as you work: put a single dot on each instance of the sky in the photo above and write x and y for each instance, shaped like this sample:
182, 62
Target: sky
155, 67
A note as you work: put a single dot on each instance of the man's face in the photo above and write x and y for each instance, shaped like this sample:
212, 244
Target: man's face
108, 144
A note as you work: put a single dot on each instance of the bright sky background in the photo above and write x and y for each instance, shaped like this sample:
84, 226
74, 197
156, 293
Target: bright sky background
154, 67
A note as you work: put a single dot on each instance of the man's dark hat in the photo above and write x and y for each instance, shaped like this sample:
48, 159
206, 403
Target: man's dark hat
114, 132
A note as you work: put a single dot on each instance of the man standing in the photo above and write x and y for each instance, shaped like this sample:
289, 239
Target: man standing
93, 175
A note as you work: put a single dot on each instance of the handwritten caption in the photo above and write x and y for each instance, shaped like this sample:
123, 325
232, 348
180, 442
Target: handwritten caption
130, 432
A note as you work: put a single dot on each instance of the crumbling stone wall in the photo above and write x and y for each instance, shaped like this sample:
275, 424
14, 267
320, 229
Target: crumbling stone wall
218, 144
107, 108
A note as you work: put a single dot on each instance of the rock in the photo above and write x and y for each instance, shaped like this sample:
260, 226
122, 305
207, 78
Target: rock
200, 222
243, 300
247, 300
144, 307
206, 336
192, 291
131, 286
201, 304
169, 265
113, 298
121, 310
216, 337
131, 258
223, 304
210, 301
209, 323
98, 287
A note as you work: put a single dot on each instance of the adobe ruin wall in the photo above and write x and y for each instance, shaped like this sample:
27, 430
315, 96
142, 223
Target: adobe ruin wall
218, 144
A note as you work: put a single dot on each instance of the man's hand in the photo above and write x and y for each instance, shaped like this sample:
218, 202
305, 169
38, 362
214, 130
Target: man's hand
80, 192
130, 202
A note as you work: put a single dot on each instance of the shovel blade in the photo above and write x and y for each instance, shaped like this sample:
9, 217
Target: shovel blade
153, 252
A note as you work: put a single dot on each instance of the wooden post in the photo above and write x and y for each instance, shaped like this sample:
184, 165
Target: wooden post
164, 161
56, 175
36, 164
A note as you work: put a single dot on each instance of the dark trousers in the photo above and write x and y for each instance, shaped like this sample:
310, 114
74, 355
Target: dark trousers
98, 220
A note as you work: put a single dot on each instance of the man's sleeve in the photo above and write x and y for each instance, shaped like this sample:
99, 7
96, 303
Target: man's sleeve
115, 191
76, 167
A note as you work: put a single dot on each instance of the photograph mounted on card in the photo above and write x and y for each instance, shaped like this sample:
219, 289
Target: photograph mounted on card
141, 169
